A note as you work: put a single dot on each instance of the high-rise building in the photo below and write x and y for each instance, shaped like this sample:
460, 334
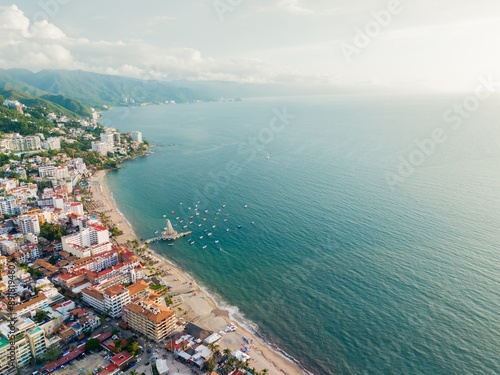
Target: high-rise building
29, 224
152, 320
100, 147
87, 242
137, 136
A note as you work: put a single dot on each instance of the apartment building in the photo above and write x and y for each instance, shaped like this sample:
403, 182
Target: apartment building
152, 320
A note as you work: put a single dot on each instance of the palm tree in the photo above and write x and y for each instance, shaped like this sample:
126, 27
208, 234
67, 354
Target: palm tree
264, 372
134, 372
227, 352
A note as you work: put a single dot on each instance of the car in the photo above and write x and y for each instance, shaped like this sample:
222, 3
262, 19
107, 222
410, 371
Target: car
149, 350
147, 363
140, 359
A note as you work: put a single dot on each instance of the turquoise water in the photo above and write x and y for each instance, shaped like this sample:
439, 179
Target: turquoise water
340, 270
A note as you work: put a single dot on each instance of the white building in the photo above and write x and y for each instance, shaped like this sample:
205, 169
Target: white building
8, 205
100, 147
51, 171
25, 144
52, 143
87, 242
137, 136
109, 139
29, 224
113, 299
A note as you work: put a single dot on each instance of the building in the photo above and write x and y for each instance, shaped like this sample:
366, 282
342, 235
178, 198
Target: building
111, 300
5, 364
25, 143
137, 136
152, 320
29, 224
8, 205
109, 139
55, 172
100, 147
88, 241
29, 340
52, 143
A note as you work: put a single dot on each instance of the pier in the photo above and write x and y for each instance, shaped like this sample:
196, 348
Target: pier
168, 234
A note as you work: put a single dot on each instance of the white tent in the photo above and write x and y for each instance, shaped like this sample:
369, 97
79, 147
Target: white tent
161, 366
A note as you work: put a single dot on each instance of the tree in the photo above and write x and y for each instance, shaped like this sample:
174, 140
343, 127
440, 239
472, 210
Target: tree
227, 352
210, 365
53, 260
52, 354
118, 345
134, 372
132, 346
40, 316
92, 344
87, 333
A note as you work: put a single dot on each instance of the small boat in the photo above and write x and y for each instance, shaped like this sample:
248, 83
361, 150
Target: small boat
196, 209
197, 213
227, 229
190, 217
213, 226
180, 221
199, 225
223, 205
190, 222
225, 219
239, 225
220, 209
189, 239
175, 225
204, 219
205, 246
216, 241
205, 230
253, 222
246, 206
201, 237
206, 210
177, 218
198, 202
184, 227
220, 248
209, 234
156, 232
216, 213
189, 208
172, 211
192, 243
164, 215
180, 203
171, 244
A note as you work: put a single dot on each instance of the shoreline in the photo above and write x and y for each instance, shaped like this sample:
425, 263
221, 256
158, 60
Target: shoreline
194, 302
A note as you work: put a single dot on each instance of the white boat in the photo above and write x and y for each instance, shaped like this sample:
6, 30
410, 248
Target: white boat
177, 218
213, 226
184, 227
171, 244
206, 210
164, 215
216, 241
190, 222
227, 230
199, 225
205, 246
223, 205
209, 234
225, 219
201, 237
246, 206
192, 243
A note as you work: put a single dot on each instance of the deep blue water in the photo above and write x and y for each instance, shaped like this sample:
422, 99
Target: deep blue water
342, 270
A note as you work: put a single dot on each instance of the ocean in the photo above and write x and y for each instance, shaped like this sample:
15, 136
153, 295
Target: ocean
370, 243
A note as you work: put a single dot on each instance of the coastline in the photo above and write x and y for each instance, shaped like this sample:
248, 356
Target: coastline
195, 304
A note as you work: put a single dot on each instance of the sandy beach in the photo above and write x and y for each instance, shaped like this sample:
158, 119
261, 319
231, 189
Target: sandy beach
191, 303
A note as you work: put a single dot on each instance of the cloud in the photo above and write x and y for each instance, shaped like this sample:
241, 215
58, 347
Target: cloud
293, 6
42, 45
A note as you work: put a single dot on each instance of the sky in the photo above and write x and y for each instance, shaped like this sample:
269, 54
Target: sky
437, 44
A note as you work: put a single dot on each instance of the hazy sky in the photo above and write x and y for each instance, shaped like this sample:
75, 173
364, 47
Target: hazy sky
444, 44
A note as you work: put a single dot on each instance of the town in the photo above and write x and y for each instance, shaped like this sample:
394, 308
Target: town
74, 300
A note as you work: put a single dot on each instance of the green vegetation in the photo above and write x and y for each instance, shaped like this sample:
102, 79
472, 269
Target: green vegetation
132, 346
169, 301
115, 232
53, 354
53, 260
40, 316
52, 103
118, 345
92, 344
156, 287
52, 232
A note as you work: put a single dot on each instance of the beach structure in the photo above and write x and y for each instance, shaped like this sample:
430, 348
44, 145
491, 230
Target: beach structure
168, 234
